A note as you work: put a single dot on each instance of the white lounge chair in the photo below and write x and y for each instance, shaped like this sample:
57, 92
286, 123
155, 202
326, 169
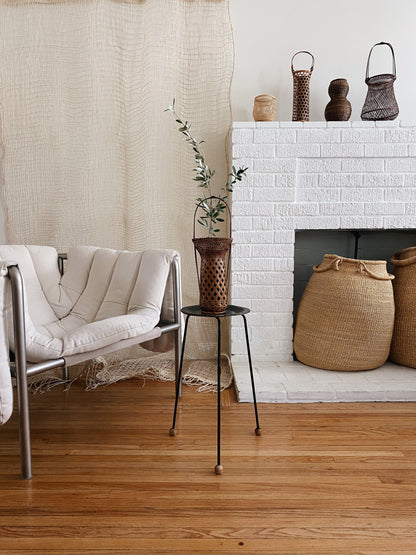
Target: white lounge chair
62, 312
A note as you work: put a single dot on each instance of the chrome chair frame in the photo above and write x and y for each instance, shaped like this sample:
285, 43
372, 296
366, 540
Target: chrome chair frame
23, 369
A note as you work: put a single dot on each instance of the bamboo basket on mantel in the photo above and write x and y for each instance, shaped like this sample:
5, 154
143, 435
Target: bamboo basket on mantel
346, 315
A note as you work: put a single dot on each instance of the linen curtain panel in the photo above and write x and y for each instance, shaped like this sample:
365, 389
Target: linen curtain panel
89, 155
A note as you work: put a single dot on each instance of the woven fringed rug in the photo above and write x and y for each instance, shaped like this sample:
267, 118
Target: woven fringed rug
104, 371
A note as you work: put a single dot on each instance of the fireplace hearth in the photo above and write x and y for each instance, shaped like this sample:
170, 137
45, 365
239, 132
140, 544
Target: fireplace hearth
314, 176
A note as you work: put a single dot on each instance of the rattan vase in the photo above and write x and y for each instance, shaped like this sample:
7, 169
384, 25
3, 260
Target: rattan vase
301, 80
403, 345
214, 272
346, 315
213, 275
339, 107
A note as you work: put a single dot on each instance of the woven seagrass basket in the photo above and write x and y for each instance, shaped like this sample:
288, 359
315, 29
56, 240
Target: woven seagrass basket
346, 315
403, 345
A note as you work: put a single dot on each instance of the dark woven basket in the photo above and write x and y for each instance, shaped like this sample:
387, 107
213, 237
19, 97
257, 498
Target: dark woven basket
301, 79
213, 279
403, 344
380, 102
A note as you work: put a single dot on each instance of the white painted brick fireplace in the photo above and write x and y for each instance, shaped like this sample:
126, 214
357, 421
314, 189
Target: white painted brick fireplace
308, 176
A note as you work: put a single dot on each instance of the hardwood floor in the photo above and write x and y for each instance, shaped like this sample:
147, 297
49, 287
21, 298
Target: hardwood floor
323, 478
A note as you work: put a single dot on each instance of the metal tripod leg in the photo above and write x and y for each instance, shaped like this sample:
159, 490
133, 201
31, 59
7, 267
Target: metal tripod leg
258, 429
218, 468
172, 431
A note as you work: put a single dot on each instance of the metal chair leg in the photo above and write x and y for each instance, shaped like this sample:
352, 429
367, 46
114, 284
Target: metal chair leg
65, 373
177, 300
21, 371
172, 431
218, 468
258, 429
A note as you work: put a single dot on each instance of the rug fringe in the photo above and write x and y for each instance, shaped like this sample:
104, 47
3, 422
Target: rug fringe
104, 371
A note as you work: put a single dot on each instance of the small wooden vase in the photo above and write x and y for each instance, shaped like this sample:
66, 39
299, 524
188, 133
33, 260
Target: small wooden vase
339, 107
264, 108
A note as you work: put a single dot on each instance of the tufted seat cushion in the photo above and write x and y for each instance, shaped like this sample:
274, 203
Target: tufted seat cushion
104, 296
6, 392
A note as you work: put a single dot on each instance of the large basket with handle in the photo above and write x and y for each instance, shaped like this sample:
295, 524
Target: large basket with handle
346, 315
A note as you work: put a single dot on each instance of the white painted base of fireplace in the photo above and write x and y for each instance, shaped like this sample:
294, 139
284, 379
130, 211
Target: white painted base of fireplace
293, 382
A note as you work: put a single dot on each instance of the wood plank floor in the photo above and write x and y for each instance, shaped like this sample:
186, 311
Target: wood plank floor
323, 478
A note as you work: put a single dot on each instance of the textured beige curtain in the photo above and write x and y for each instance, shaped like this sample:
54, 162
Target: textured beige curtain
89, 155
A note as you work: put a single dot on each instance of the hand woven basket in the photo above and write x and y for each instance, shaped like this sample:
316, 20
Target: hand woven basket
346, 315
213, 279
301, 79
380, 102
403, 345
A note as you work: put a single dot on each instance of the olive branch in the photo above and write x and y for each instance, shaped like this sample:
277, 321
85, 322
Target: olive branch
213, 208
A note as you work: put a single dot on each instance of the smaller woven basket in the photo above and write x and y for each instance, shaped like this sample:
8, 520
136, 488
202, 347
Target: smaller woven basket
264, 108
346, 315
380, 102
403, 345
213, 278
301, 79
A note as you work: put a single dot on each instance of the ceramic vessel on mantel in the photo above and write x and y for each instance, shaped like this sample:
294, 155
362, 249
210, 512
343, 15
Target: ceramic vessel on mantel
339, 107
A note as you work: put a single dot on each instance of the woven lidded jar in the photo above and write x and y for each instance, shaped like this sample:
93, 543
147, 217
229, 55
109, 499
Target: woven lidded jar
264, 107
346, 315
403, 344
339, 107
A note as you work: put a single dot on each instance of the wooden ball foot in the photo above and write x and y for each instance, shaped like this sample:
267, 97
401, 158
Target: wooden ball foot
219, 469
172, 432
258, 431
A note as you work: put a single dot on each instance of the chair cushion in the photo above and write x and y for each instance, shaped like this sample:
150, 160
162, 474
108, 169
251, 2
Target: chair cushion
104, 296
6, 392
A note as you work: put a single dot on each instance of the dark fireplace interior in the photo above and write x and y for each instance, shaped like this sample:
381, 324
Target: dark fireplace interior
311, 245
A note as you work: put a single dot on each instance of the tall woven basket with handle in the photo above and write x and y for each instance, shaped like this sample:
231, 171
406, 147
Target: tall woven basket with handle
301, 79
213, 279
403, 344
346, 315
380, 102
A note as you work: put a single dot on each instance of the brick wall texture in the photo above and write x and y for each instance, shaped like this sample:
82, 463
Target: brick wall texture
314, 175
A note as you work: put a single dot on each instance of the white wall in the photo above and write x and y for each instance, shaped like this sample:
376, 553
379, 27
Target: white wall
339, 34
268, 32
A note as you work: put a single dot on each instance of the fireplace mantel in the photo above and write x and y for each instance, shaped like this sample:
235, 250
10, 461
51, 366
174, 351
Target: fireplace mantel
308, 175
